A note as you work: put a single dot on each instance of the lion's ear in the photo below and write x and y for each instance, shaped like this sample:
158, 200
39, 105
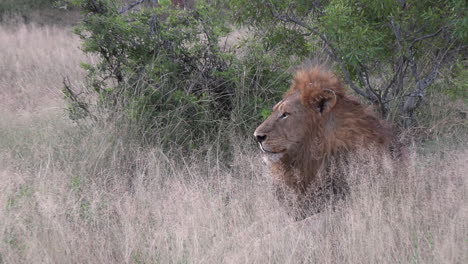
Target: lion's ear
324, 101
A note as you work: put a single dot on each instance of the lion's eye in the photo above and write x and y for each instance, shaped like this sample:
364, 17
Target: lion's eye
284, 115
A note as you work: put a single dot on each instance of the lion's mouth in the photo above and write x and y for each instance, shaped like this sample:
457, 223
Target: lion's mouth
268, 151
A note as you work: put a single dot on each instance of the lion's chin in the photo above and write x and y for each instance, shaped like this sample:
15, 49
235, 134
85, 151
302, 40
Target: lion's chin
272, 157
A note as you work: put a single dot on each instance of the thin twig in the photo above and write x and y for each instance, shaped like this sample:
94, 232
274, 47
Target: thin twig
418, 93
426, 36
74, 98
130, 6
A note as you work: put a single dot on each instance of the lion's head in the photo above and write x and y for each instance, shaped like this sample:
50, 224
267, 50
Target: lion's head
314, 123
297, 123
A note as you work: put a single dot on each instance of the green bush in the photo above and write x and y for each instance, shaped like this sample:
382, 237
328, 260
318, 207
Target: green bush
166, 70
163, 68
389, 52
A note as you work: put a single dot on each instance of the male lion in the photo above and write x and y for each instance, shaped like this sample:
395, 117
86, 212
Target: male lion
313, 130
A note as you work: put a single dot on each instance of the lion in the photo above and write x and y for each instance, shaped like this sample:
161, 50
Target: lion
312, 129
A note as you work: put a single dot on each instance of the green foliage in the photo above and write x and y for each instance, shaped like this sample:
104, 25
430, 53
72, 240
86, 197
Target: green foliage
164, 69
161, 66
260, 79
359, 39
388, 51
455, 83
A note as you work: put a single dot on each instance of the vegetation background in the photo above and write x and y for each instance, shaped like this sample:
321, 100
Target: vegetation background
125, 133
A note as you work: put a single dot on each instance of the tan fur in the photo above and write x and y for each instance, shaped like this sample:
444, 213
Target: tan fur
316, 123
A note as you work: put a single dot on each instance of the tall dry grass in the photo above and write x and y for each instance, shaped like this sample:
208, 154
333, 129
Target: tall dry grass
33, 62
95, 198
73, 195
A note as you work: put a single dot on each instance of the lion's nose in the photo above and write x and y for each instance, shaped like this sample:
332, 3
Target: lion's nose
260, 138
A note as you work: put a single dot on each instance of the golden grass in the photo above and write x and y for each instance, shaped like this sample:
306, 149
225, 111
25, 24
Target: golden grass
91, 196
33, 62
96, 199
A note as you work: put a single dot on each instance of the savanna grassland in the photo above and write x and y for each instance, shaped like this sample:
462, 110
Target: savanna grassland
77, 194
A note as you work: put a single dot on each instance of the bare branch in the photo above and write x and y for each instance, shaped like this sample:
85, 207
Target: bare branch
353, 86
426, 36
130, 6
152, 25
330, 51
414, 65
414, 99
73, 97
397, 78
402, 3
364, 77
397, 32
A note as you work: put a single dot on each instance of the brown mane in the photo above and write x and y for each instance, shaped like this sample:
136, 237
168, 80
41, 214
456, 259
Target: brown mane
317, 124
